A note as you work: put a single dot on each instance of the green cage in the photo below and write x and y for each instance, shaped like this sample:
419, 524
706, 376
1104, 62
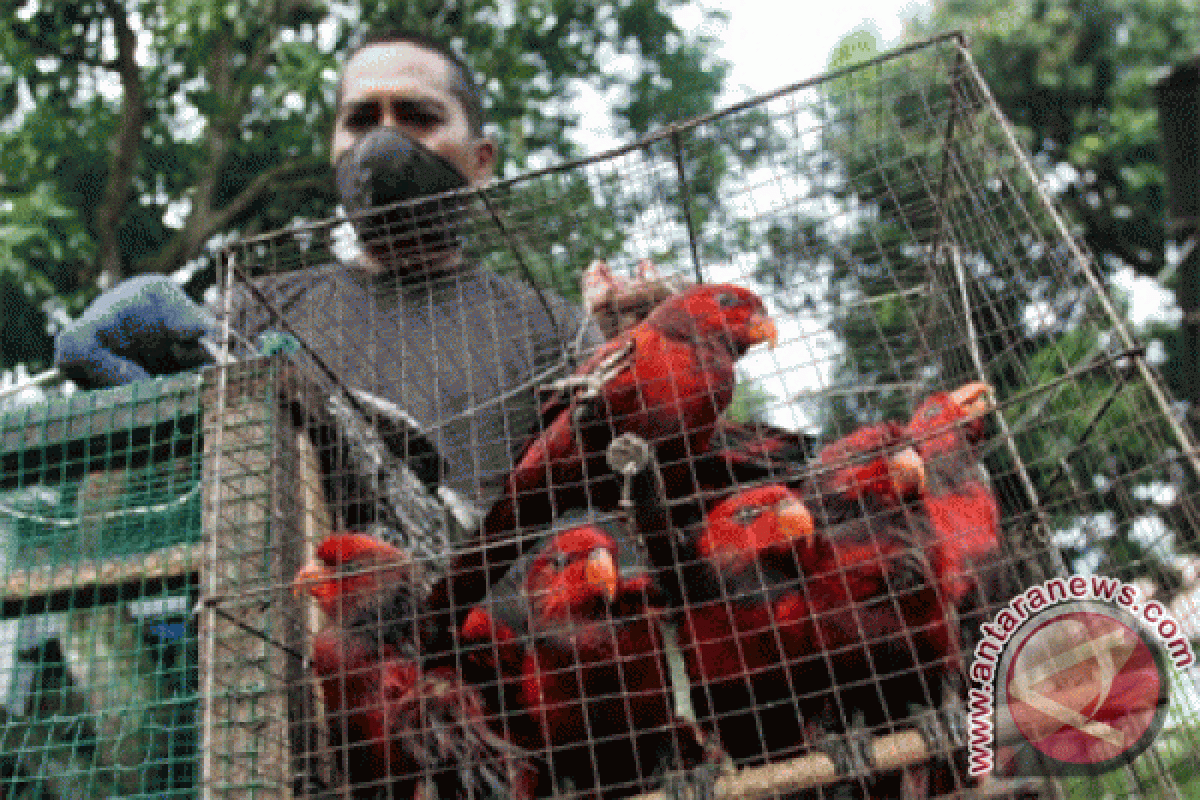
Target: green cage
105, 501
100, 518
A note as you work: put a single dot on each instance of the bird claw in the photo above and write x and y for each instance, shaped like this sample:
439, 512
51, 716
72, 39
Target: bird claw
696, 783
942, 730
851, 752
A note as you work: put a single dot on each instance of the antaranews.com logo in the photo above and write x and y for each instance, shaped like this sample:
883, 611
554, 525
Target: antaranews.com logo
1077, 669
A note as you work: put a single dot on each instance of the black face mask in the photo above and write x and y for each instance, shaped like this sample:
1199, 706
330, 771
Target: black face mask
386, 168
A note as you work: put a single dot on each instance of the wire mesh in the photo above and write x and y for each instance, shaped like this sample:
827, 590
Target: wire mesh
629, 626
100, 498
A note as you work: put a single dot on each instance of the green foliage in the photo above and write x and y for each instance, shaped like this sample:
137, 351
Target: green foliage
43, 247
921, 182
1075, 76
1076, 79
1166, 771
936, 265
134, 135
750, 404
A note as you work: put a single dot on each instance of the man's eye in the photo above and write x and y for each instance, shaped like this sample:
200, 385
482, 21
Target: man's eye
416, 116
362, 117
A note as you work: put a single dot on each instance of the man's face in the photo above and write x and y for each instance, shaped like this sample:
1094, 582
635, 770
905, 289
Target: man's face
409, 88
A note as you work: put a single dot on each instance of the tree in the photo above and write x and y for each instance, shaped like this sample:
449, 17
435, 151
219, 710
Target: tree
136, 135
1095, 451
1076, 79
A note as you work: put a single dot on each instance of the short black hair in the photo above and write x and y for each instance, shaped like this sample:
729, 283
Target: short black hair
463, 87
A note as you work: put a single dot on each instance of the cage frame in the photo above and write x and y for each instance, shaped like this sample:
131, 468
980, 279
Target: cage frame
902, 749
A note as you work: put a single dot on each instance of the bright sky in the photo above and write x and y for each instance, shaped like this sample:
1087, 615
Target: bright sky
775, 42
772, 43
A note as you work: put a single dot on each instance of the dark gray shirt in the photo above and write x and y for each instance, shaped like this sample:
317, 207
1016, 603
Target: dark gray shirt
460, 354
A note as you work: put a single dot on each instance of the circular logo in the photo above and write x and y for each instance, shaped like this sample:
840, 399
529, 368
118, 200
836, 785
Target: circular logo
1084, 687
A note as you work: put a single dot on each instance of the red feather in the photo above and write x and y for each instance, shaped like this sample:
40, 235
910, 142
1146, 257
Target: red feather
962, 510
745, 646
872, 462
667, 380
592, 680
879, 617
740, 454
393, 724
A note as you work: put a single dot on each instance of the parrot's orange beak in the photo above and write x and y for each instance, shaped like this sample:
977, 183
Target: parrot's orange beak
975, 399
310, 578
795, 521
601, 571
908, 471
761, 328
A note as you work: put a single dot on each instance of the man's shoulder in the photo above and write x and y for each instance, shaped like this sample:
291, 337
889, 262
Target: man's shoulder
296, 292
287, 289
519, 292
565, 328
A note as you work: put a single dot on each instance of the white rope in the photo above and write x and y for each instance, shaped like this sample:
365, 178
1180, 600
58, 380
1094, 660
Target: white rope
70, 522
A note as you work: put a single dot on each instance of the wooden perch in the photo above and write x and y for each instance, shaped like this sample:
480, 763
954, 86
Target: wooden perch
888, 752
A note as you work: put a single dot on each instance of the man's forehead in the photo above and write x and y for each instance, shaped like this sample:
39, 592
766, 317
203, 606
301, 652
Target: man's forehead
396, 65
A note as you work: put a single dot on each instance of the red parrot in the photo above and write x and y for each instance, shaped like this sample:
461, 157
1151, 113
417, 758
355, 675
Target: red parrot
884, 643
587, 658
870, 461
832, 619
928, 525
878, 616
667, 380
742, 645
395, 726
962, 510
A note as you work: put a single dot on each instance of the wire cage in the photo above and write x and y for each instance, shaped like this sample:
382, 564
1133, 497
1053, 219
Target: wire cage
100, 508
604, 611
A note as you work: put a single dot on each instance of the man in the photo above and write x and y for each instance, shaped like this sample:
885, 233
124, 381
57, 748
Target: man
409, 318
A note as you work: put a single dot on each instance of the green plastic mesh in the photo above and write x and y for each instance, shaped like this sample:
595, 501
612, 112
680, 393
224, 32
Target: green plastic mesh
100, 505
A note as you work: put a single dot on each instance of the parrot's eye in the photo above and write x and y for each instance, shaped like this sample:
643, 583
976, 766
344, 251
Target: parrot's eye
933, 411
727, 300
747, 514
559, 560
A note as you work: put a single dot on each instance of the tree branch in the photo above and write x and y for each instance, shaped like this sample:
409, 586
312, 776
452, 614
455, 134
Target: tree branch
203, 220
125, 144
202, 224
219, 131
